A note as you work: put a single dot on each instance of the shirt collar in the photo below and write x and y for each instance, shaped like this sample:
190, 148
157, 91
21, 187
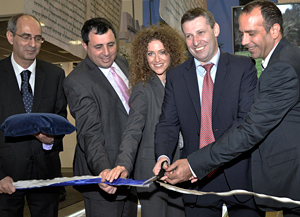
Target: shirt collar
105, 71
265, 62
18, 69
214, 60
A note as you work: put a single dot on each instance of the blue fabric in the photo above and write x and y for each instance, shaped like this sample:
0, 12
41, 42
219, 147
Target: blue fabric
84, 181
32, 123
119, 181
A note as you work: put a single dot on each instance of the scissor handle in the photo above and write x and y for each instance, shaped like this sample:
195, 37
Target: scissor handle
164, 162
162, 170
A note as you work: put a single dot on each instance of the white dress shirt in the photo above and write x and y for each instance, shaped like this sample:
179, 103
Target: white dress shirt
111, 80
201, 71
19, 69
265, 62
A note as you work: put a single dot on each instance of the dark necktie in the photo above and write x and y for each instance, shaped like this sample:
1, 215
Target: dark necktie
26, 91
206, 133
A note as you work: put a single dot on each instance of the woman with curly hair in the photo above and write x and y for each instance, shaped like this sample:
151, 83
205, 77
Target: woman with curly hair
154, 51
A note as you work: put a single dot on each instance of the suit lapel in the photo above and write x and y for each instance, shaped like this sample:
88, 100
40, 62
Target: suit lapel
14, 91
124, 69
157, 87
220, 80
122, 66
191, 80
105, 84
283, 42
40, 76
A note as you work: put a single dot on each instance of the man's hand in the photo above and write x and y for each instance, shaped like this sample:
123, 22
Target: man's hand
105, 187
157, 166
118, 171
6, 185
44, 138
178, 172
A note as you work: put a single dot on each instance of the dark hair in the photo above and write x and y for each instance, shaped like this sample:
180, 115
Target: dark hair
174, 45
269, 11
198, 12
101, 25
12, 22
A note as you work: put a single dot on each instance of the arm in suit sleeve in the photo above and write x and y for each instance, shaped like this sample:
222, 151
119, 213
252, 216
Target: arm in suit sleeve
247, 89
167, 130
60, 107
134, 127
90, 135
278, 92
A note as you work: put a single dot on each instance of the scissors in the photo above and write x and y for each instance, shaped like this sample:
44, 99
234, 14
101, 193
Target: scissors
160, 174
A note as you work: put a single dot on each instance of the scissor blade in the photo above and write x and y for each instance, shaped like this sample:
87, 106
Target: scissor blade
152, 179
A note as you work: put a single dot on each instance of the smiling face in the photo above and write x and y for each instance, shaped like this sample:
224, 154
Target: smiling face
254, 36
157, 57
201, 39
25, 52
101, 49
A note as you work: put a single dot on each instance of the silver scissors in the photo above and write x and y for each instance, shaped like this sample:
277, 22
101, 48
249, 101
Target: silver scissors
160, 174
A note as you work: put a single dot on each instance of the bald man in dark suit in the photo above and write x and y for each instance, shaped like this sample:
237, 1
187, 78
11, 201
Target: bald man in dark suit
29, 157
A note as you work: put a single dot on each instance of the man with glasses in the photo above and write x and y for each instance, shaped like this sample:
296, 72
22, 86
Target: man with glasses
34, 156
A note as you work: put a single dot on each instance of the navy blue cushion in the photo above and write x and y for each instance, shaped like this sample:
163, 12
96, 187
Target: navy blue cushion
31, 123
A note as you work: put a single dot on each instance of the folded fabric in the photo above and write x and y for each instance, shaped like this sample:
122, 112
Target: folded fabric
31, 123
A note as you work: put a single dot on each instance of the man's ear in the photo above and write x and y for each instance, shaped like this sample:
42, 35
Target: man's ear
216, 30
84, 45
10, 37
275, 31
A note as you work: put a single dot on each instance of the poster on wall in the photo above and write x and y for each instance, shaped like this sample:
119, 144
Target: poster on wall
171, 11
62, 20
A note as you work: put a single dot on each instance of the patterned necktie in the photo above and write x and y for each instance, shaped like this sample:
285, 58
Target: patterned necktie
122, 86
206, 133
26, 91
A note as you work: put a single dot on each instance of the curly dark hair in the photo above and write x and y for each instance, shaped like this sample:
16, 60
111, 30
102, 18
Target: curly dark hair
174, 45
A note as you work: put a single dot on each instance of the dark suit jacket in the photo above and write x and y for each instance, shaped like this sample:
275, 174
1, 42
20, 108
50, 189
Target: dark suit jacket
271, 128
100, 120
138, 138
234, 86
18, 153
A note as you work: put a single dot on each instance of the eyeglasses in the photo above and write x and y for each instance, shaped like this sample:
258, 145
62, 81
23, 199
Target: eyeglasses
27, 38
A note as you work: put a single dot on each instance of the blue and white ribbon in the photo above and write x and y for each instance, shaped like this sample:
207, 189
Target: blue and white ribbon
76, 180
86, 180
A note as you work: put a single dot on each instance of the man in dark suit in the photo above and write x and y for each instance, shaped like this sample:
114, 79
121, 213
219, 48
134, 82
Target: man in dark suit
29, 157
271, 127
233, 89
100, 110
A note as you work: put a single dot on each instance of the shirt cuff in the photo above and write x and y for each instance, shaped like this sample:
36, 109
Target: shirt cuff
47, 147
194, 174
164, 156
